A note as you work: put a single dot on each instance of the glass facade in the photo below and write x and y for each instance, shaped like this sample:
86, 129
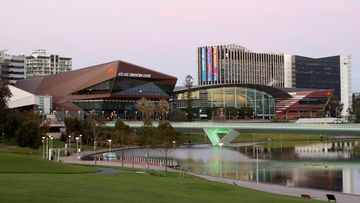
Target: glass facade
222, 97
133, 87
125, 92
310, 73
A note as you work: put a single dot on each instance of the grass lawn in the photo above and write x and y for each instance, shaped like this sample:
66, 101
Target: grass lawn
57, 186
21, 163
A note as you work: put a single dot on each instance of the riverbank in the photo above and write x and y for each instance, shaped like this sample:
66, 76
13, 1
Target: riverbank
40, 180
272, 188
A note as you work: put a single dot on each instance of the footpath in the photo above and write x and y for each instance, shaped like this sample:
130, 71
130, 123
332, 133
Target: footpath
272, 188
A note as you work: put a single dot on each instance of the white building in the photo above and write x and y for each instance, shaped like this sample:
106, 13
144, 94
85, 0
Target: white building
41, 64
24, 99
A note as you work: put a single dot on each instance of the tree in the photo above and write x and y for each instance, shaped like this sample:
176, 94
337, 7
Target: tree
165, 136
177, 115
163, 107
246, 112
72, 125
96, 125
147, 109
5, 95
28, 135
122, 133
231, 112
334, 107
356, 110
189, 81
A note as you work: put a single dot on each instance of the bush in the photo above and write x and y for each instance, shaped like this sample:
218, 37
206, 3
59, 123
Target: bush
63, 137
177, 116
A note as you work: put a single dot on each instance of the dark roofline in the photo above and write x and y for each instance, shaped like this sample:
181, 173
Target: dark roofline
170, 76
273, 91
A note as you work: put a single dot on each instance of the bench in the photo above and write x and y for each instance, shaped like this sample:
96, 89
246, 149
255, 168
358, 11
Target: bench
331, 197
305, 196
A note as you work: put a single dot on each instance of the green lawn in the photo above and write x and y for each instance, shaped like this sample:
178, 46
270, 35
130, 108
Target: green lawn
20, 163
50, 183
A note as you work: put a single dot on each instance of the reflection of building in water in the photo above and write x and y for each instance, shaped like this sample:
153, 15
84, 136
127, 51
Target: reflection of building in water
351, 180
331, 150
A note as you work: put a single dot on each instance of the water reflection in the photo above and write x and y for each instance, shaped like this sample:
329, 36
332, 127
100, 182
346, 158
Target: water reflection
321, 165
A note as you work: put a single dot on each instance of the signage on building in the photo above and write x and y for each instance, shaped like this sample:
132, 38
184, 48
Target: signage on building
134, 75
111, 71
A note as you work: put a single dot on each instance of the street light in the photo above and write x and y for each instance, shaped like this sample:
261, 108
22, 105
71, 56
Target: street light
257, 162
43, 141
81, 144
136, 115
174, 142
125, 115
77, 147
220, 145
69, 143
51, 147
109, 145
51, 142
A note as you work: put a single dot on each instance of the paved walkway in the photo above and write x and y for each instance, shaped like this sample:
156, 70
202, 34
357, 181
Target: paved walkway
272, 188
285, 190
109, 171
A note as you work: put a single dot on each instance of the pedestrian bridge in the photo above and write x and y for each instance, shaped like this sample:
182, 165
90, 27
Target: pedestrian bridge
232, 129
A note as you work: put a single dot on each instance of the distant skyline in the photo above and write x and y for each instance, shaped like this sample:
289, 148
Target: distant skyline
163, 35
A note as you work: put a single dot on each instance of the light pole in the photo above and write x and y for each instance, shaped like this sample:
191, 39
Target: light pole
81, 144
174, 142
51, 142
136, 115
47, 147
125, 115
43, 151
77, 147
69, 143
51, 147
257, 162
79, 115
109, 145
220, 145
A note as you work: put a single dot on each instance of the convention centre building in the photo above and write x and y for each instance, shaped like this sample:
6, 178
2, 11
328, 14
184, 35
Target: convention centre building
115, 87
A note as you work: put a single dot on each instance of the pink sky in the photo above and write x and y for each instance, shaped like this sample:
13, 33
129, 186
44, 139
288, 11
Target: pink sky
163, 34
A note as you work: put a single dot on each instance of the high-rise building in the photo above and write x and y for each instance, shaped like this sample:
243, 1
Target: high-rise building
333, 72
40, 64
234, 64
12, 67
230, 64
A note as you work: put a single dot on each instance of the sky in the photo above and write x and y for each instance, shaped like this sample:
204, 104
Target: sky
163, 34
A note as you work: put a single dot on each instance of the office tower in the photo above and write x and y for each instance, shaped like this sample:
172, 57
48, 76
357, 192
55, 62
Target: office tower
12, 67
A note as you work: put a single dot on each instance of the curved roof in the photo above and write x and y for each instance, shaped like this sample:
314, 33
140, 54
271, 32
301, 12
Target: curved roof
276, 92
62, 85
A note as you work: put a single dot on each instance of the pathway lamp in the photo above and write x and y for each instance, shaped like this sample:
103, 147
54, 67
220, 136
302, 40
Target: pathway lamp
81, 144
257, 162
220, 145
109, 145
69, 143
174, 142
77, 147
43, 151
